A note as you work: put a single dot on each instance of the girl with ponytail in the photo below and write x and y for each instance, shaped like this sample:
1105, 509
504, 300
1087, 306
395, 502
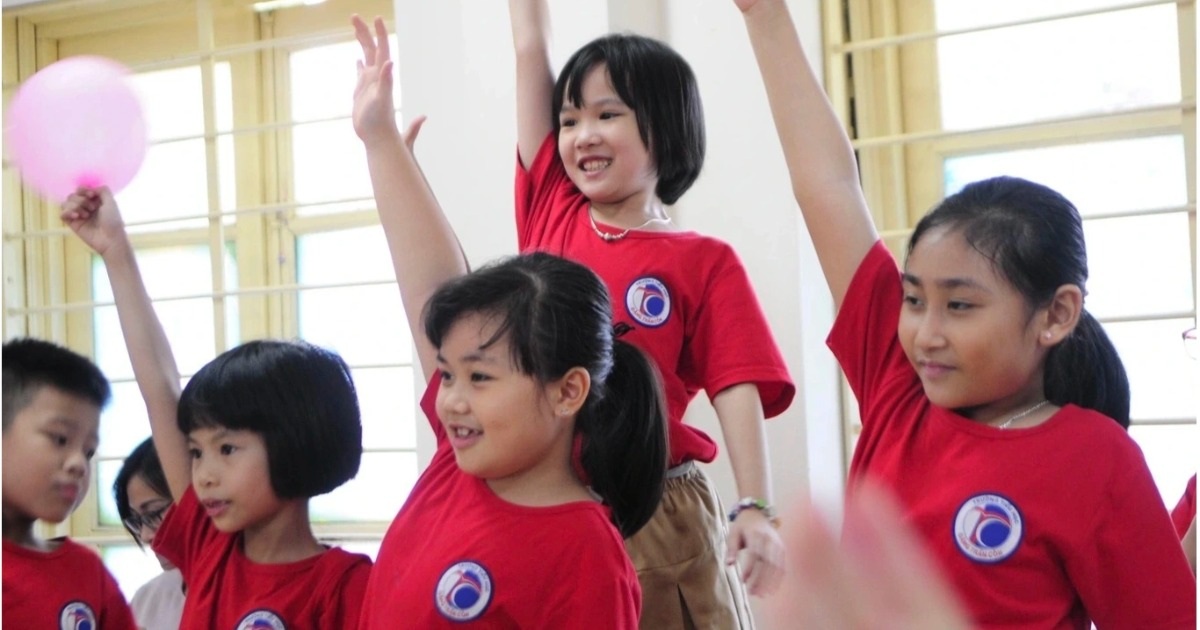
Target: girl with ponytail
987, 393
551, 433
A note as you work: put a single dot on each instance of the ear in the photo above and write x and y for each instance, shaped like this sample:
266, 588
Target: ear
1061, 315
567, 394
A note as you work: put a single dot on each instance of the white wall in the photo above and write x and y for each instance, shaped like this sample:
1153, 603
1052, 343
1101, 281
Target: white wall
456, 66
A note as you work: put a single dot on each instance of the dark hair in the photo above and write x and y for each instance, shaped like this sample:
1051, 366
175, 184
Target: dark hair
1034, 238
660, 87
141, 462
300, 398
556, 315
30, 364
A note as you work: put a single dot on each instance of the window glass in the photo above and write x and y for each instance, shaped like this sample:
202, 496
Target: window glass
1170, 452
321, 79
1139, 266
189, 326
1085, 65
365, 324
172, 182
1098, 177
1162, 378
376, 494
956, 14
131, 566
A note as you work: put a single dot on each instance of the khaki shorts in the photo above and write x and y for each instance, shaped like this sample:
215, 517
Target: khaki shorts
679, 560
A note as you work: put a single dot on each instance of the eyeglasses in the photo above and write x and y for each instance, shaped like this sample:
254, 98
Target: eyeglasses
151, 519
1189, 343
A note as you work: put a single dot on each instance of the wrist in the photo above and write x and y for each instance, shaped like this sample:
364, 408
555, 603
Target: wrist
754, 504
119, 250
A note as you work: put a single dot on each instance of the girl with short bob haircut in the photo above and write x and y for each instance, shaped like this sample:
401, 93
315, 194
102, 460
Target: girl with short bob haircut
551, 433
299, 397
256, 433
993, 405
601, 151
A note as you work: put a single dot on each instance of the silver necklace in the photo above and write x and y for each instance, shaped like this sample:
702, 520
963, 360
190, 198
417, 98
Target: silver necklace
609, 237
1028, 411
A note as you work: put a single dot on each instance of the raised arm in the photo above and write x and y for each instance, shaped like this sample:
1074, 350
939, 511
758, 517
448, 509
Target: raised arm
535, 81
93, 215
819, 157
425, 251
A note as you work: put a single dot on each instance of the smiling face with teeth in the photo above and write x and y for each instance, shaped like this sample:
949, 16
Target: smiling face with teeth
602, 150
500, 421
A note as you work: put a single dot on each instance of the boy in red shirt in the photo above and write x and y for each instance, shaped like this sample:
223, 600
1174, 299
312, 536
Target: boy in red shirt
52, 402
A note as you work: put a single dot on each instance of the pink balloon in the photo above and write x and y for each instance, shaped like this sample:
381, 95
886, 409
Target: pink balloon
77, 122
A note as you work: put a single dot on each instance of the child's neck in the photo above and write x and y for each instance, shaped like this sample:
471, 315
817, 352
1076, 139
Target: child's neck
285, 537
632, 212
541, 487
18, 529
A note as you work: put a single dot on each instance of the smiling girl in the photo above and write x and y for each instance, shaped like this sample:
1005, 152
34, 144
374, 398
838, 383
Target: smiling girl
256, 433
523, 365
601, 152
992, 403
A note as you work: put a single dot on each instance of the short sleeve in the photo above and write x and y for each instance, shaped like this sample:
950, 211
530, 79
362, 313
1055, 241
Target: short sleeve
730, 341
184, 532
864, 338
535, 190
1134, 573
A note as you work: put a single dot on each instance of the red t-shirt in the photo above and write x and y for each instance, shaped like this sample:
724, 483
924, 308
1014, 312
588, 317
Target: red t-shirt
1185, 510
687, 297
227, 590
457, 553
1052, 526
68, 587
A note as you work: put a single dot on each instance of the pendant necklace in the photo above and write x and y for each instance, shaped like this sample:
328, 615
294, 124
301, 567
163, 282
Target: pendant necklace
1028, 411
609, 237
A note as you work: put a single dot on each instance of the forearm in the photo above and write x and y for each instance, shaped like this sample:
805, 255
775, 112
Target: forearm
739, 411
152, 360
535, 80
425, 252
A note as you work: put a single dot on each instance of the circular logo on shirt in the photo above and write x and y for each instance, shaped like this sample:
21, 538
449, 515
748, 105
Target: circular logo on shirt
988, 528
464, 591
77, 616
261, 620
648, 301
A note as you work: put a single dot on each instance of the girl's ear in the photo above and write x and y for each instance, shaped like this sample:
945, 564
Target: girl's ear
1062, 314
568, 393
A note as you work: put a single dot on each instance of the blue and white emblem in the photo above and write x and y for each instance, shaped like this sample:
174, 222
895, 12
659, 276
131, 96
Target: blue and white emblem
988, 528
464, 591
648, 301
261, 620
77, 616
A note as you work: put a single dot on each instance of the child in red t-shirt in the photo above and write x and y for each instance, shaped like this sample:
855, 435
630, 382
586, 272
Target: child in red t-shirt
993, 405
52, 402
601, 152
523, 364
256, 433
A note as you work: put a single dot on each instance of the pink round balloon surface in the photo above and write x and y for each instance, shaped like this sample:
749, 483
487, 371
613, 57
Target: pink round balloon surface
77, 122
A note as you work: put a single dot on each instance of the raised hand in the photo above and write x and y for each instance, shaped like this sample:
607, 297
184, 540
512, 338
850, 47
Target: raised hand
92, 213
374, 114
